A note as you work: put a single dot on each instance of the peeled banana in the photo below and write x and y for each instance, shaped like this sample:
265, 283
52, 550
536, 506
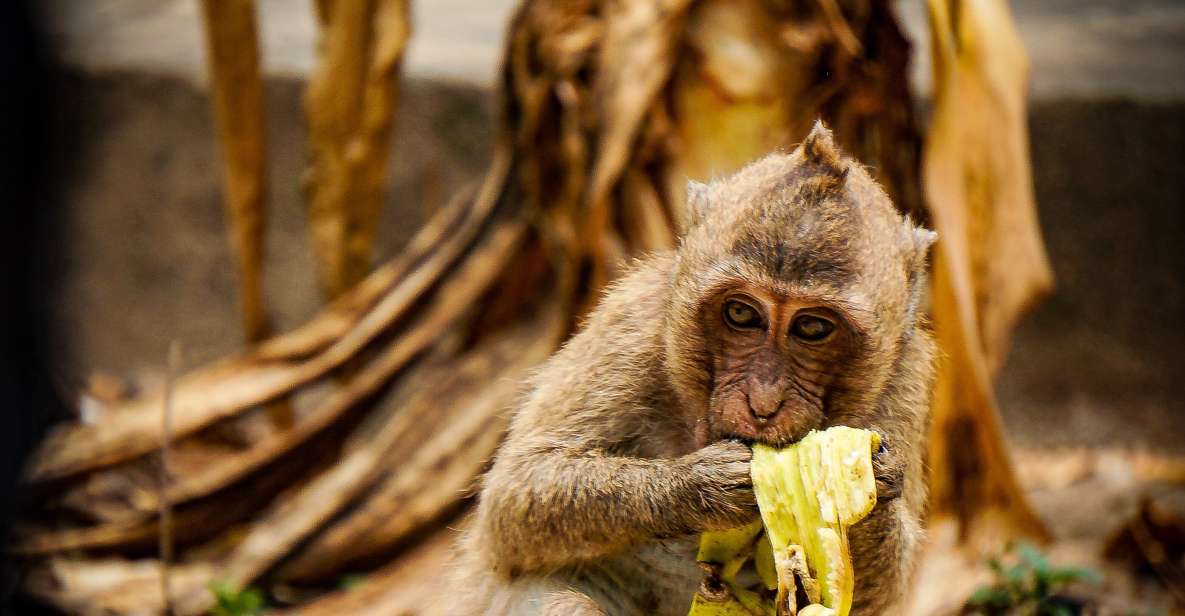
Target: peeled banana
809, 493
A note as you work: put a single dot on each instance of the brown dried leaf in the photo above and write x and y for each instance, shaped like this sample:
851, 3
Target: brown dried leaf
635, 61
1154, 541
449, 225
300, 513
740, 90
978, 177
140, 529
106, 586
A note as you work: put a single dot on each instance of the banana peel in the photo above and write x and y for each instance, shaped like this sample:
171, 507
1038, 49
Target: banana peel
808, 493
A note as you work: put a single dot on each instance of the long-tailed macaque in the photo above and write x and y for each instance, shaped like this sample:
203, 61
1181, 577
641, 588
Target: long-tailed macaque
790, 304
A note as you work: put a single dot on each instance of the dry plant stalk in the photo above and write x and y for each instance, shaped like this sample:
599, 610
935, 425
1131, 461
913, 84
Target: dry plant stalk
350, 106
990, 265
608, 108
236, 91
237, 96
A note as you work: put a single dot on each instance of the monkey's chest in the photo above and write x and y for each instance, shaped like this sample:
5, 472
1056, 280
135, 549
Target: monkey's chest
657, 579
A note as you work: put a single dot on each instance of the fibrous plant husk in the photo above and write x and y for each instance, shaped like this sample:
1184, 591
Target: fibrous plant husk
350, 108
236, 91
989, 265
399, 386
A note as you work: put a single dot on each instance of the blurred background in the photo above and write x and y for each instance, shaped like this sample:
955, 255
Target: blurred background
1090, 394
145, 260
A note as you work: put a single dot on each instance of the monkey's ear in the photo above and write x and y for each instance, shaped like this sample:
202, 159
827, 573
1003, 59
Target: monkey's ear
918, 243
697, 203
819, 147
923, 239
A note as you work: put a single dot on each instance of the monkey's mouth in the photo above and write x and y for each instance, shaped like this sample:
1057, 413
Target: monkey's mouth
772, 435
732, 418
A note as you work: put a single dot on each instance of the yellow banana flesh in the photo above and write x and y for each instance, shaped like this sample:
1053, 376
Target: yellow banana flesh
809, 493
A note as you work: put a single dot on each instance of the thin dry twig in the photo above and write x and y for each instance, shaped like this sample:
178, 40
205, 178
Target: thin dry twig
173, 367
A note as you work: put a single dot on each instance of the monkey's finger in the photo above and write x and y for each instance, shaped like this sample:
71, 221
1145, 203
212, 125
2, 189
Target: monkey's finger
888, 468
746, 498
738, 473
729, 451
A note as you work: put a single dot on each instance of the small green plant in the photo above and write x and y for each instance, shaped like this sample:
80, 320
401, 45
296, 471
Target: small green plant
350, 581
235, 601
1028, 585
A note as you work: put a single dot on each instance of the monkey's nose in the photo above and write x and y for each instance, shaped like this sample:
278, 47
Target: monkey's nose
764, 401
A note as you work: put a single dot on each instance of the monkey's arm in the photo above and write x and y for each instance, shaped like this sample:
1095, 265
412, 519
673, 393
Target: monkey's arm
558, 508
884, 546
591, 464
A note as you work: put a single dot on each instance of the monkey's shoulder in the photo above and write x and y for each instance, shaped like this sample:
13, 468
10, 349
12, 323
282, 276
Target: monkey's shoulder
636, 301
612, 360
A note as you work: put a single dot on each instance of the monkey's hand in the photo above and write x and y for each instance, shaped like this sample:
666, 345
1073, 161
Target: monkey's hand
552, 509
721, 488
883, 545
888, 466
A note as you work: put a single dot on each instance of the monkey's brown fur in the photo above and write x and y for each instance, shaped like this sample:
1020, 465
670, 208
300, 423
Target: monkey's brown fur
626, 445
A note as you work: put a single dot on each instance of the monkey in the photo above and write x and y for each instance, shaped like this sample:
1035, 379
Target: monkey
791, 303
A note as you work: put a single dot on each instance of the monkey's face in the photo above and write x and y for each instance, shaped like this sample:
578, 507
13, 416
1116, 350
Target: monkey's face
796, 282
776, 359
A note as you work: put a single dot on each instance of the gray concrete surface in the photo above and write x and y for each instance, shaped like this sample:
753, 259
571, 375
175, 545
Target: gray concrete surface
454, 39
1086, 48
1100, 362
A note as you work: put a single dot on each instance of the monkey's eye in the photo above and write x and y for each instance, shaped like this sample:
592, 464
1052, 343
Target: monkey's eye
741, 315
811, 328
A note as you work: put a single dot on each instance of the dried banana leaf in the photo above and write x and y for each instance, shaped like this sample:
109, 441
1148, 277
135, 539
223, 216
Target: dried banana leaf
99, 587
277, 531
747, 81
465, 420
233, 385
989, 265
410, 585
300, 512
